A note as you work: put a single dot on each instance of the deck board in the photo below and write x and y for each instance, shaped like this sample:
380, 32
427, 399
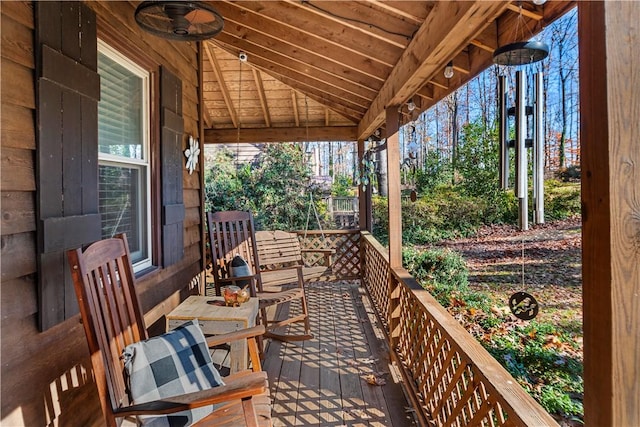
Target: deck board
320, 382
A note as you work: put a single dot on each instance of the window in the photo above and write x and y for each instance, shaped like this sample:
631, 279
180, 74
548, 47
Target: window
123, 153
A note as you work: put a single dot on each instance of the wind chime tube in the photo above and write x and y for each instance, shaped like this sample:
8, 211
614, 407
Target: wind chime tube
503, 132
538, 147
521, 151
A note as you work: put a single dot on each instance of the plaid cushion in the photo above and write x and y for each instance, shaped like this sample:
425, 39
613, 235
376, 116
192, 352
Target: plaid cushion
171, 364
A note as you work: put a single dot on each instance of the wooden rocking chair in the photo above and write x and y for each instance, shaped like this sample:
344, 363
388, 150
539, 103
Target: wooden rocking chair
105, 286
232, 233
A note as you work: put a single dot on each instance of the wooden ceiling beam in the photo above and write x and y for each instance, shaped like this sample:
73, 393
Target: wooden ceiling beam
351, 113
521, 10
363, 18
324, 30
257, 78
487, 39
223, 86
449, 27
440, 81
277, 37
304, 83
206, 116
461, 62
289, 134
360, 93
294, 102
393, 8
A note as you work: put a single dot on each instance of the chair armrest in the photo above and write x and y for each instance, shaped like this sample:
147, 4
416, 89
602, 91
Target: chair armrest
240, 387
242, 334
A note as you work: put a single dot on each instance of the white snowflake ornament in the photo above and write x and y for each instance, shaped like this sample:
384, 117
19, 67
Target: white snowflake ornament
192, 153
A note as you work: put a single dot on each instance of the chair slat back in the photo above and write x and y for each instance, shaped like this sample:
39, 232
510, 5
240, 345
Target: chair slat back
112, 317
278, 248
231, 233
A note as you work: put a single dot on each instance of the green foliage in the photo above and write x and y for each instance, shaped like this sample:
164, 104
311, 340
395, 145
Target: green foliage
536, 355
447, 212
561, 199
442, 272
542, 357
342, 186
224, 184
276, 189
436, 171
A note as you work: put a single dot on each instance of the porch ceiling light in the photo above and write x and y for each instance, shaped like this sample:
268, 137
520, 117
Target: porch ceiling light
448, 70
178, 20
520, 53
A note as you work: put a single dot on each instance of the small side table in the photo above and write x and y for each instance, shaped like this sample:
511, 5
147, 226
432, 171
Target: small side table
216, 320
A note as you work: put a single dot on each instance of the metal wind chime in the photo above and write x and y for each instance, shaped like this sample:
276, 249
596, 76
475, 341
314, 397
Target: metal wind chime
529, 134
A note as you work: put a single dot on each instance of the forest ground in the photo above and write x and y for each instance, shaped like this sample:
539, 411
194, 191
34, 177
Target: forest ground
553, 275
552, 267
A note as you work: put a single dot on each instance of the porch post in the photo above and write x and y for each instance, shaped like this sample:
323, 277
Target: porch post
393, 182
610, 135
364, 197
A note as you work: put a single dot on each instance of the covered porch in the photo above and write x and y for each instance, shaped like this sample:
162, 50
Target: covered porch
383, 352
317, 71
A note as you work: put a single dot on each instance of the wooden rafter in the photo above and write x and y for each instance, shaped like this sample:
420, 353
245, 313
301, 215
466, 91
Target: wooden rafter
294, 103
461, 62
325, 31
295, 44
279, 134
263, 98
392, 7
487, 39
360, 18
524, 12
449, 23
223, 86
298, 71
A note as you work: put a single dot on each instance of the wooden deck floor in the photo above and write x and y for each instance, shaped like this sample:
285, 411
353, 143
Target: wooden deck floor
322, 381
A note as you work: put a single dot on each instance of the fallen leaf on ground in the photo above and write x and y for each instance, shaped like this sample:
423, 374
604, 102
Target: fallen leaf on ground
375, 380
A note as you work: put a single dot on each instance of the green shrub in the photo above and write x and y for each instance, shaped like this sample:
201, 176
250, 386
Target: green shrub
342, 186
561, 199
540, 358
446, 213
442, 272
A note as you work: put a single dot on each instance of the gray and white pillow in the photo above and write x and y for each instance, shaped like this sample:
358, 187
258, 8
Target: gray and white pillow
171, 364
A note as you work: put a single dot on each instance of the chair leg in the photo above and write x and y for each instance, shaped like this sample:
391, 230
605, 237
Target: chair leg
305, 311
250, 416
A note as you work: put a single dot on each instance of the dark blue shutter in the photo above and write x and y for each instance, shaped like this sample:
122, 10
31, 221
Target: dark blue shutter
67, 94
172, 166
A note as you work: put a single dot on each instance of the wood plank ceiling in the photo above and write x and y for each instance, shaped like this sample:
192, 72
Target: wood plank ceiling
326, 70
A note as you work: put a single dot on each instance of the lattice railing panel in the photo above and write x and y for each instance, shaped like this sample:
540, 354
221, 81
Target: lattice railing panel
376, 275
451, 379
346, 244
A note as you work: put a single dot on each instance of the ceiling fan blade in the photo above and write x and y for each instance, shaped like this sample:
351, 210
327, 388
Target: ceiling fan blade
200, 16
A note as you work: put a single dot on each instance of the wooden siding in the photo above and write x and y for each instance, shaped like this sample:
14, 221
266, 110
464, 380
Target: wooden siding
46, 377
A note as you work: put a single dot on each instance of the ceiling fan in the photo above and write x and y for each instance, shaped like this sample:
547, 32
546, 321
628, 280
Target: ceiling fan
179, 20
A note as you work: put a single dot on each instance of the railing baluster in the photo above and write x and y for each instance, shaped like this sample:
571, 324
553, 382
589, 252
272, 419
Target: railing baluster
450, 377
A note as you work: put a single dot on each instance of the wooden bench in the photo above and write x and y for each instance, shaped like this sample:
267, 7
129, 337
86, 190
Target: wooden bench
277, 249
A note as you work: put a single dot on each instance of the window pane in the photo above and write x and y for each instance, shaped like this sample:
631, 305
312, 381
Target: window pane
122, 206
120, 112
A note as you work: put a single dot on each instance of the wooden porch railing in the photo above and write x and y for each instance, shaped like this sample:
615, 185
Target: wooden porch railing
450, 378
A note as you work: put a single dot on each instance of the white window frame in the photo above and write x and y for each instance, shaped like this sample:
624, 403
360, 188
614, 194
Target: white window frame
145, 161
